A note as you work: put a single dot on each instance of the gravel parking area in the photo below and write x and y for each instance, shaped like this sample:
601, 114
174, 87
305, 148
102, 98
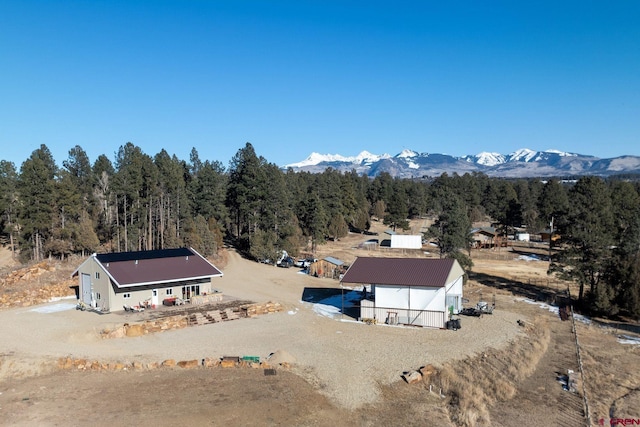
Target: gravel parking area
344, 359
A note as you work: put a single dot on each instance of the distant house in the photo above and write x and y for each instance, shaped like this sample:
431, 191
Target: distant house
402, 241
547, 234
412, 291
110, 281
484, 237
406, 241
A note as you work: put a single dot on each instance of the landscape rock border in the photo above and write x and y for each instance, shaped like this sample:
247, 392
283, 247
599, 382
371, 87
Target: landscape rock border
69, 364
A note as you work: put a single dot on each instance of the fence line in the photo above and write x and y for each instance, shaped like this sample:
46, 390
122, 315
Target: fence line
585, 402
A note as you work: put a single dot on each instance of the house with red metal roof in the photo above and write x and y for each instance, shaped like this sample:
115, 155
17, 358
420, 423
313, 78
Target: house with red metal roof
113, 281
410, 291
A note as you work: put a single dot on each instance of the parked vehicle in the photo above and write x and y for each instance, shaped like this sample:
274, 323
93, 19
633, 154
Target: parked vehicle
305, 263
286, 262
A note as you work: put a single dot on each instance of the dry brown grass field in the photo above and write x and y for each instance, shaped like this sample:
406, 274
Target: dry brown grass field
512, 382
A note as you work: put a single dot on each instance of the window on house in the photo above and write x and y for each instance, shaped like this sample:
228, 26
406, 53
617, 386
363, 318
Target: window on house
126, 296
190, 291
97, 274
97, 295
169, 291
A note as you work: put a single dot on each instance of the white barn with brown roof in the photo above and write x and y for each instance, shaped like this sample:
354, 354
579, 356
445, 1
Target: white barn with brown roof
411, 291
111, 281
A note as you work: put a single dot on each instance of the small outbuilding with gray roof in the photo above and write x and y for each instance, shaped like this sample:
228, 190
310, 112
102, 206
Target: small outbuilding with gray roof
412, 291
111, 281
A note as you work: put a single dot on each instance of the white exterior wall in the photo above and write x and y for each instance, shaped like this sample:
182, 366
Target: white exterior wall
415, 298
454, 295
430, 319
100, 289
455, 288
391, 296
406, 241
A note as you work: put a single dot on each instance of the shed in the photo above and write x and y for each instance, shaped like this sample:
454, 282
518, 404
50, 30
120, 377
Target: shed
412, 291
110, 281
328, 267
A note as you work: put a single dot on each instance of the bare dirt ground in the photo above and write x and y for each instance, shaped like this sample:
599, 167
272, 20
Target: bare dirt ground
344, 373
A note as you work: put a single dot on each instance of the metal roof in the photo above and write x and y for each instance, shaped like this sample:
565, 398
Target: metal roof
155, 267
139, 255
333, 260
485, 230
426, 272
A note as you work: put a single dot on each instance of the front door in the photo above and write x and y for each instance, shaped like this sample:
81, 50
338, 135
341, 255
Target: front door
154, 297
86, 288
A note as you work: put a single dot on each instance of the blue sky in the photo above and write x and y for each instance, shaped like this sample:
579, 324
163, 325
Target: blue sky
294, 77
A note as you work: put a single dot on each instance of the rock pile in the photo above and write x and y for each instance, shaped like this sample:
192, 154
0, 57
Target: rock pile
23, 287
265, 308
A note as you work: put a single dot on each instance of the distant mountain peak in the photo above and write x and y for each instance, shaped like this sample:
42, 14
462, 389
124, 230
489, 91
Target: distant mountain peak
489, 159
406, 153
560, 153
316, 158
521, 163
522, 155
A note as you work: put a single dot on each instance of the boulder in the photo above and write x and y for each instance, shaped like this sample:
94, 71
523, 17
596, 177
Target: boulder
412, 377
209, 362
428, 371
169, 363
134, 331
188, 364
228, 363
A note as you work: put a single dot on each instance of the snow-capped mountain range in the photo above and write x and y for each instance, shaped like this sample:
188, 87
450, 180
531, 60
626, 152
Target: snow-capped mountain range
519, 164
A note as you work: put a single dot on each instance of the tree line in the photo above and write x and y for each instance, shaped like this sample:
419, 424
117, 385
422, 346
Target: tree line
139, 202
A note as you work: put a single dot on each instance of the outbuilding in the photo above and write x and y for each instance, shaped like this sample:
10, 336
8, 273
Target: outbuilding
484, 237
113, 281
411, 291
328, 267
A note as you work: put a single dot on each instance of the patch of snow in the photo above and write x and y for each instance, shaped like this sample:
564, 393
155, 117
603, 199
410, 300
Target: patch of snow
326, 310
626, 339
528, 258
413, 165
54, 299
555, 310
293, 312
54, 308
